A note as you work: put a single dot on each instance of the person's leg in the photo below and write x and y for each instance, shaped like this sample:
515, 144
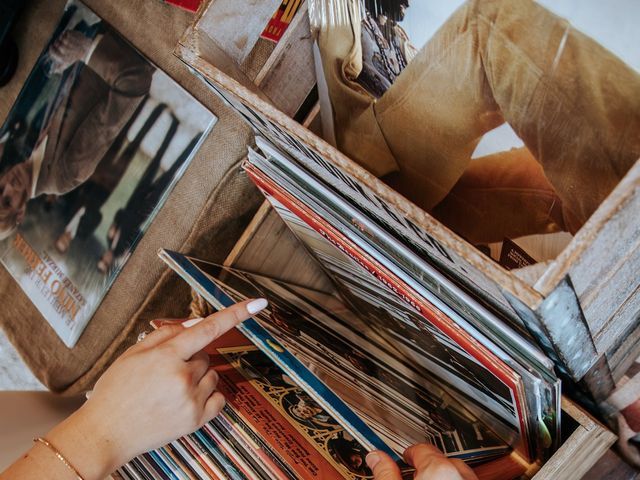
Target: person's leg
501, 195
435, 113
95, 200
574, 104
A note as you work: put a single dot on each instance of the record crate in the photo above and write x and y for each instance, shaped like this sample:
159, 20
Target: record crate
269, 248
584, 303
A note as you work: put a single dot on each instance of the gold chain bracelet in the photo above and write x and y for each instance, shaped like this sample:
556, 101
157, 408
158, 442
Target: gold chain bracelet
57, 453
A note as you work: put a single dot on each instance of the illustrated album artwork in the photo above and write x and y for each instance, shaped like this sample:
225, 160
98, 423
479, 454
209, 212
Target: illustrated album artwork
89, 152
280, 420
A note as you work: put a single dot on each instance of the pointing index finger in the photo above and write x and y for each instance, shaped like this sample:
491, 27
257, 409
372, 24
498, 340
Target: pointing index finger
195, 338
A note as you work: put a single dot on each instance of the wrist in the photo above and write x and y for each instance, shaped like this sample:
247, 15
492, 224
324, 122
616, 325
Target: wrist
85, 443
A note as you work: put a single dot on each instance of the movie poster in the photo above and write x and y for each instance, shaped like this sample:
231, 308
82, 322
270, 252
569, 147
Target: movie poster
92, 147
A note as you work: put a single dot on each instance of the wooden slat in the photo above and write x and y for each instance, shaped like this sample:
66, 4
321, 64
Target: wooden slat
312, 115
609, 292
195, 40
269, 248
286, 42
314, 120
266, 53
291, 76
531, 273
580, 451
248, 233
627, 351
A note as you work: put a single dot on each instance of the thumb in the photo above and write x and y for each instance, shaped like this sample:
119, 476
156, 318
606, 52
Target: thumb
382, 466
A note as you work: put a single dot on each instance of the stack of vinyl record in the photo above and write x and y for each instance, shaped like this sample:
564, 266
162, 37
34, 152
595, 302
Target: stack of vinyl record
225, 448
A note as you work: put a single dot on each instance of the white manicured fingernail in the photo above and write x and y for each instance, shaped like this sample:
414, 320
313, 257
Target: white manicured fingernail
256, 305
192, 322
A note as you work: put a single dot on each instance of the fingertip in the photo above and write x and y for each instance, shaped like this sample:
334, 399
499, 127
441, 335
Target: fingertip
218, 400
256, 305
424, 448
382, 466
201, 333
372, 459
215, 404
212, 407
420, 454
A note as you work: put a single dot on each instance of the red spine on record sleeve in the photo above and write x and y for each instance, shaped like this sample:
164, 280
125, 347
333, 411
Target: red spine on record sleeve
189, 5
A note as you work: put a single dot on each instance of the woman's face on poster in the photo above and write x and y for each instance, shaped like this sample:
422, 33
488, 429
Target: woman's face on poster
14, 189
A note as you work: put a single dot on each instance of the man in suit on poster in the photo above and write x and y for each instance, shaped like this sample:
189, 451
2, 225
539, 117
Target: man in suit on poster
104, 80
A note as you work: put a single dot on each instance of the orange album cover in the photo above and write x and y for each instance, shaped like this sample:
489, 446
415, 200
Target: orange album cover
298, 430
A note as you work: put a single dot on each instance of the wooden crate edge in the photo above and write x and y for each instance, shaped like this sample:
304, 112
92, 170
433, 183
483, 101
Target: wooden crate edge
578, 453
579, 245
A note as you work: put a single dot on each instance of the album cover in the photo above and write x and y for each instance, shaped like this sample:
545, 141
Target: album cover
500, 119
413, 325
92, 147
514, 347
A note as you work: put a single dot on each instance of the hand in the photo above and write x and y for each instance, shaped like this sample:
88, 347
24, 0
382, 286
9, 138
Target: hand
158, 390
429, 462
69, 48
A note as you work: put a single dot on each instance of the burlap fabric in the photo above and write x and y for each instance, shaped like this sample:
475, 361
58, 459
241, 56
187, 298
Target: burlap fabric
204, 215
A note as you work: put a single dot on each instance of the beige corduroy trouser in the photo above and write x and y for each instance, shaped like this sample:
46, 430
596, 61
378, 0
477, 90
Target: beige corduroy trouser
575, 105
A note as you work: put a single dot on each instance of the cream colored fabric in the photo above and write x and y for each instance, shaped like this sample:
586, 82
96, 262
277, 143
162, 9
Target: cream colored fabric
204, 214
357, 132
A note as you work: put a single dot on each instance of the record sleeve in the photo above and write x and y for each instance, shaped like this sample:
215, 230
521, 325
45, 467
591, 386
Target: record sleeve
89, 152
517, 350
461, 361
